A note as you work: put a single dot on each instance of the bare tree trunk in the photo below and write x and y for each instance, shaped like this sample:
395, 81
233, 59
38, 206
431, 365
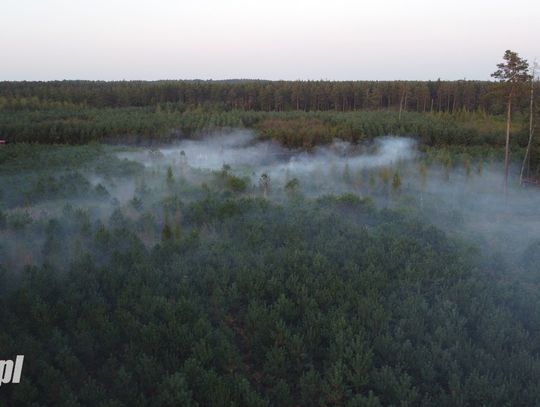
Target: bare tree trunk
531, 127
402, 101
405, 100
507, 146
367, 98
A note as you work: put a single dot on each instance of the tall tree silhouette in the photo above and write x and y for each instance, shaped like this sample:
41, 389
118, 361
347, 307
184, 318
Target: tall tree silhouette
531, 122
512, 71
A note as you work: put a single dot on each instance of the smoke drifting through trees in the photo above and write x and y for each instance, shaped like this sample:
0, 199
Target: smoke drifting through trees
460, 193
171, 259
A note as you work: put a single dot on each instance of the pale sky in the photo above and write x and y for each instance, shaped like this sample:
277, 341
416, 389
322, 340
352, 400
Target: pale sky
278, 39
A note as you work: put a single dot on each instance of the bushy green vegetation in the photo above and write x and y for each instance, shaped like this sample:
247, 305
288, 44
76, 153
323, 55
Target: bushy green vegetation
203, 293
259, 95
293, 129
427, 96
298, 114
31, 174
135, 283
329, 302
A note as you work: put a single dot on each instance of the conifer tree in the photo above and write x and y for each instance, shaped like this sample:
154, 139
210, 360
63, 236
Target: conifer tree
512, 72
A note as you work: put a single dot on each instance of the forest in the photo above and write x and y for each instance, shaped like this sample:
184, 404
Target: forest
259, 243
297, 114
258, 95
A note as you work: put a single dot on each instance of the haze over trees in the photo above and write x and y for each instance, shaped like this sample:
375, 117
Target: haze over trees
218, 243
132, 282
297, 113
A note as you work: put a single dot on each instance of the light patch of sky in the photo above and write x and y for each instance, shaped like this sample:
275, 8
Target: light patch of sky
279, 39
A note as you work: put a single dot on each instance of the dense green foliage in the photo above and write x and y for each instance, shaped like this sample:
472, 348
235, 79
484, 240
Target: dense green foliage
428, 96
201, 294
150, 282
292, 129
76, 126
327, 302
298, 114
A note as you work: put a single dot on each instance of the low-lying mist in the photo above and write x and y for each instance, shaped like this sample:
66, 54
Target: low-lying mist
325, 166
460, 194
465, 197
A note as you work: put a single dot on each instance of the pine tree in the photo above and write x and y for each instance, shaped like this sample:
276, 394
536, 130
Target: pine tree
291, 187
512, 71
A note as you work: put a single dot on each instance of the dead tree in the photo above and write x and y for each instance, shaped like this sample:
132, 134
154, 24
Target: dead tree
531, 125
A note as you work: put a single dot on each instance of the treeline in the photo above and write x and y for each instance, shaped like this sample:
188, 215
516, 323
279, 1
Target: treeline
418, 96
157, 125
299, 114
292, 129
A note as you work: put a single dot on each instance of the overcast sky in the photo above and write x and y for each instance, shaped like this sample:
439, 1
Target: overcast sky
266, 39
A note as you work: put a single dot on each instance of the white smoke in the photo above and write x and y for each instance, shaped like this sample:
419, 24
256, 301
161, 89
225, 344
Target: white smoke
243, 152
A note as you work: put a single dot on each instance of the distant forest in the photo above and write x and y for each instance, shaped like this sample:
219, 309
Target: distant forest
297, 114
259, 95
